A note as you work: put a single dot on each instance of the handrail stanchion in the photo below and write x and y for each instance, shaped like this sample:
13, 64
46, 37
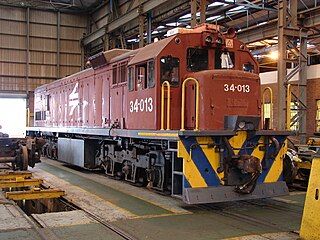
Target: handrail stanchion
165, 83
184, 102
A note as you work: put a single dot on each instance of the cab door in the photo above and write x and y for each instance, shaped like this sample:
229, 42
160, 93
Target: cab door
141, 97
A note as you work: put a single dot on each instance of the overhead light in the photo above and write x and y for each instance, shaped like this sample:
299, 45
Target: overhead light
273, 55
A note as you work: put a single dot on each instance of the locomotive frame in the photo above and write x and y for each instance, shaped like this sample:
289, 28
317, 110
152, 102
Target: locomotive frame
127, 115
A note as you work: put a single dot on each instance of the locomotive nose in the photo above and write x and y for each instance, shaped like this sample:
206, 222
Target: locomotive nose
224, 95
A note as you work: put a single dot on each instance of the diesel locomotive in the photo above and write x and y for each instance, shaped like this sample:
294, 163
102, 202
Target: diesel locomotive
180, 115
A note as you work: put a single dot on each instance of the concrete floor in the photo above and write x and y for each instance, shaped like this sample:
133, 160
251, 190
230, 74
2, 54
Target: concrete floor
148, 215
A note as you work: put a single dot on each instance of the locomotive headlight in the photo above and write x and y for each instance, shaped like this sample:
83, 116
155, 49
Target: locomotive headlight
219, 41
208, 40
241, 125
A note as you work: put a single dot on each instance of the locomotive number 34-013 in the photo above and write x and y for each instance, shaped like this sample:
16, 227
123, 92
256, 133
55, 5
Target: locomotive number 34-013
142, 105
236, 88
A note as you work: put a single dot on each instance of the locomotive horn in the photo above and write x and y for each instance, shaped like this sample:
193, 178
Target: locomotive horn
231, 33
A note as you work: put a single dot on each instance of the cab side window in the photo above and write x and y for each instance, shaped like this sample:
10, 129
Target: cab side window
141, 77
169, 70
151, 81
131, 79
197, 59
114, 74
123, 70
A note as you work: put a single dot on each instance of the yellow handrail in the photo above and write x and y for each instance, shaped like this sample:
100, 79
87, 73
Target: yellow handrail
165, 83
271, 105
28, 117
184, 102
288, 112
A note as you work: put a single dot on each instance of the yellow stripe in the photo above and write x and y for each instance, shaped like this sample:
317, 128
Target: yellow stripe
210, 153
257, 152
155, 134
238, 140
276, 168
190, 170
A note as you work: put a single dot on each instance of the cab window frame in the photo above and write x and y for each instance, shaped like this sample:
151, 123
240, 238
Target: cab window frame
141, 84
122, 73
151, 74
114, 69
196, 52
131, 78
171, 71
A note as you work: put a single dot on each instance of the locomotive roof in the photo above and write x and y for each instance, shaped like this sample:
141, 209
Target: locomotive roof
150, 51
125, 55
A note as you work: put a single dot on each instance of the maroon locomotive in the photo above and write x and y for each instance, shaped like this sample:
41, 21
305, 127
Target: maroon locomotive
180, 115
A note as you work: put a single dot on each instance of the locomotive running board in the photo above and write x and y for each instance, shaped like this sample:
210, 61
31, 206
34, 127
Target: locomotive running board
227, 193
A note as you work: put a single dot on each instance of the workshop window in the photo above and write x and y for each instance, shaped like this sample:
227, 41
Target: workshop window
169, 70
114, 74
38, 115
130, 78
318, 116
197, 59
48, 102
151, 82
141, 82
123, 72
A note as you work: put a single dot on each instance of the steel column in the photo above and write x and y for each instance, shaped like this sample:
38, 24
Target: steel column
149, 28
289, 33
193, 5
27, 48
198, 5
282, 69
141, 27
106, 45
58, 43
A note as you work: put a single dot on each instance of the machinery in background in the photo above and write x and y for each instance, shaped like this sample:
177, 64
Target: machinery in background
20, 152
299, 160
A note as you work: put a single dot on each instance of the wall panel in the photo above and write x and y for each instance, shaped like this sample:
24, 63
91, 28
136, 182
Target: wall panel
13, 28
43, 17
12, 42
43, 48
43, 57
19, 69
43, 44
70, 59
44, 71
9, 55
12, 83
12, 13
74, 20
39, 30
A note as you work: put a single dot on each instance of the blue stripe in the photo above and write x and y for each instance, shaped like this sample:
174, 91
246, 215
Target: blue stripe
249, 145
201, 161
267, 163
186, 183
